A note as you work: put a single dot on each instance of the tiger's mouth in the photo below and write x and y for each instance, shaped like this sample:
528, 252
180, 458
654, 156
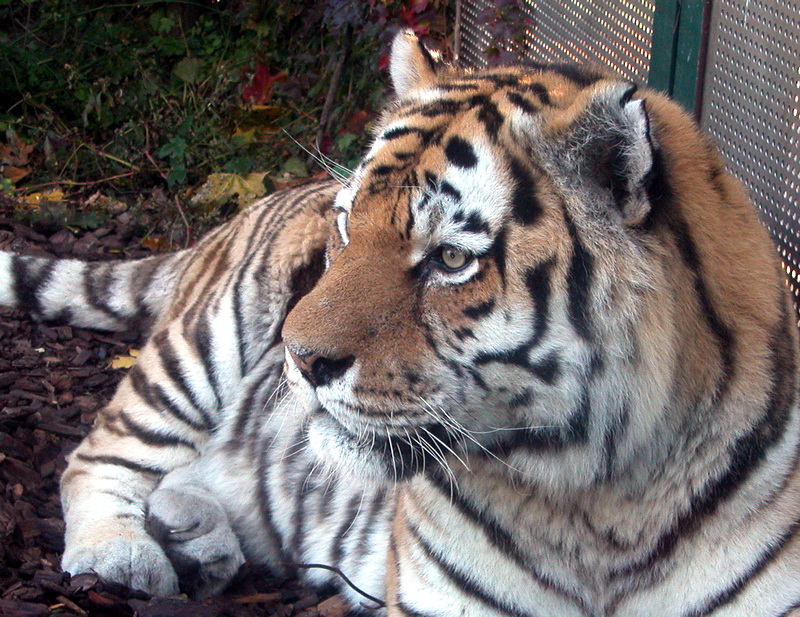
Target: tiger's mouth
398, 454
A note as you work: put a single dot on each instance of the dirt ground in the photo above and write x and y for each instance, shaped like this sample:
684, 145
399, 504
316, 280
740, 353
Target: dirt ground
53, 379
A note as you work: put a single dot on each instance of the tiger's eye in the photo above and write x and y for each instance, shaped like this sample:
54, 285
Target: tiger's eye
453, 259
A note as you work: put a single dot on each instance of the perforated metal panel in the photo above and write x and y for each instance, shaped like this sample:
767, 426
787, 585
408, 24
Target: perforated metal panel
751, 106
615, 34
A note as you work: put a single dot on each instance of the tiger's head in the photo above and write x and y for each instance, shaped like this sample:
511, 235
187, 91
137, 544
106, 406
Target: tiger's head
519, 268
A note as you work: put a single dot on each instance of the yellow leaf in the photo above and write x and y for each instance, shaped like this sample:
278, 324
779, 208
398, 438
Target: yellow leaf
224, 187
34, 199
128, 361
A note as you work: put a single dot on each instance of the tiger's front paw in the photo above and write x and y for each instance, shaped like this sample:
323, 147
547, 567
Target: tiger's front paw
138, 563
195, 533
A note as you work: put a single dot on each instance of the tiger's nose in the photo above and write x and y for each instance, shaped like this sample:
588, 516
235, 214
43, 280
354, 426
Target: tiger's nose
317, 369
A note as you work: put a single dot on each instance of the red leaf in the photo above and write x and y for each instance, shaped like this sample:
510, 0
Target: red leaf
357, 122
419, 5
258, 92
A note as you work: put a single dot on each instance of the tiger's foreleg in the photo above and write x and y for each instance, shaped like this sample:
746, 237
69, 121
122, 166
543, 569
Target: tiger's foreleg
158, 420
192, 527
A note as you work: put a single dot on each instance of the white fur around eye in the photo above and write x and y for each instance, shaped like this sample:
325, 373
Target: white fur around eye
341, 226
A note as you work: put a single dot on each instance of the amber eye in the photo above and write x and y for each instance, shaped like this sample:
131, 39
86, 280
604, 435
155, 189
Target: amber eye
453, 259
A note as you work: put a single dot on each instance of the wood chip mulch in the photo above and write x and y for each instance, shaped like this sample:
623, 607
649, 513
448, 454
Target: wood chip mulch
53, 379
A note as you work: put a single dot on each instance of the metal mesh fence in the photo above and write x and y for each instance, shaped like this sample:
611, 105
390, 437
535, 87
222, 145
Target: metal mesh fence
751, 93
615, 34
751, 106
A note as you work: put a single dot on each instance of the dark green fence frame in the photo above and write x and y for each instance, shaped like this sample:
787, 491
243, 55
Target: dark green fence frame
680, 36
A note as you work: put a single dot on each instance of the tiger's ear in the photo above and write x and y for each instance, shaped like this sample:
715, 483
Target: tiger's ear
410, 64
602, 152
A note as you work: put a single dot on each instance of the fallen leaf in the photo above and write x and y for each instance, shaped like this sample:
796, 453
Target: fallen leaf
258, 92
126, 361
15, 174
34, 199
189, 69
254, 122
295, 167
335, 606
158, 244
221, 188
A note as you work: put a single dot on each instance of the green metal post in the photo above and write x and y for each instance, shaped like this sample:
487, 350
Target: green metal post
678, 54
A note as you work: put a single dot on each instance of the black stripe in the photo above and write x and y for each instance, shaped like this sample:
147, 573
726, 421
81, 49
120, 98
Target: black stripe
428, 57
722, 333
540, 91
345, 527
27, 285
407, 611
460, 152
445, 107
746, 454
298, 518
247, 404
548, 369
476, 225
156, 398
464, 333
151, 437
385, 170
121, 497
579, 285
521, 399
275, 212
525, 204
122, 462
521, 103
238, 325
457, 87
364, 544
491, 118
431, 181
538, 283
448, 189
498, 253
500, 538
265, 501
613, 433
582, 76
172, 365
140, 282
205, 348
465, 583
479, 310
499, 80
96, 283
741, 583
793, 607
409, 222
553, 438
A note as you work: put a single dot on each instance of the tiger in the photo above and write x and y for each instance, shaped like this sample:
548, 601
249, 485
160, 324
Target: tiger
536, 356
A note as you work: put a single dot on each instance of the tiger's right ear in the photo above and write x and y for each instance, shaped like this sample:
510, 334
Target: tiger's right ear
410, 64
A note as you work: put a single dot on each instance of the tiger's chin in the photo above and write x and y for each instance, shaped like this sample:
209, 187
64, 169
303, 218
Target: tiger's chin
371, 456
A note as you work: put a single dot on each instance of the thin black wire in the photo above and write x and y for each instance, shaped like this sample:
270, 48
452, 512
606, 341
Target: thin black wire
338, 572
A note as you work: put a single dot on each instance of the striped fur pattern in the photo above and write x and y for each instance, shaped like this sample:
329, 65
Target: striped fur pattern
550, 369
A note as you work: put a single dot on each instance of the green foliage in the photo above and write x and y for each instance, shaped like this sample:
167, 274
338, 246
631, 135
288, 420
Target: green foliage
171, 91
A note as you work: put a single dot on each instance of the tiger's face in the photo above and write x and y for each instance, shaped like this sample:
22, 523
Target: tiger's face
482, 249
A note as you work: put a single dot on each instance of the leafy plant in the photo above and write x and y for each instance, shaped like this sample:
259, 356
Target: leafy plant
138, 94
